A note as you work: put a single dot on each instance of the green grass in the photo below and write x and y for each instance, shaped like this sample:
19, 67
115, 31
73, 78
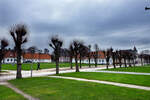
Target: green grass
8, 94
27, 66
46, 88
121, 78
143, 69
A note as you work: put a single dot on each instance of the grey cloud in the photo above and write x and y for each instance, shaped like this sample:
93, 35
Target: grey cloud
109, 23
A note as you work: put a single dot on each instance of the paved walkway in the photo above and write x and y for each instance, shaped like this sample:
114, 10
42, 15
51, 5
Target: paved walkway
18, 91
119, 72
105, 82
44, 72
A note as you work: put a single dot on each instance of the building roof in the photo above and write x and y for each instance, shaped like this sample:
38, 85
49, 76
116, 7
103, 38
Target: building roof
36, 56
11, 54
100, 55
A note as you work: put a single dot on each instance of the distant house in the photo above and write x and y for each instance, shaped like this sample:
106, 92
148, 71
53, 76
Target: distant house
100, 60
11, 57
64, 55
36, 57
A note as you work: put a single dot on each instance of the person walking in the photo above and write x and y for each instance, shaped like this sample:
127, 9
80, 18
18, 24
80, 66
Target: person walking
38, 66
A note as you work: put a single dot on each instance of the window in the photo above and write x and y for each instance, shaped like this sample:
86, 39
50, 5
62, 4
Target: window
99, 60
7, 59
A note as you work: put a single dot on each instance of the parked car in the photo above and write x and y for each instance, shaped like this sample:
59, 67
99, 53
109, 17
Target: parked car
28, 62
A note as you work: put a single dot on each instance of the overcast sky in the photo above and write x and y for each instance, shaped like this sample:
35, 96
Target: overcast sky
117, 23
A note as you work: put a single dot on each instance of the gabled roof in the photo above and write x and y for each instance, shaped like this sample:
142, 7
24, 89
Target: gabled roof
36, 56
100, 55
12, 54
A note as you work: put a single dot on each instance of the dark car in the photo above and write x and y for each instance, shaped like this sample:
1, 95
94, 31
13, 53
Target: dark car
28, 62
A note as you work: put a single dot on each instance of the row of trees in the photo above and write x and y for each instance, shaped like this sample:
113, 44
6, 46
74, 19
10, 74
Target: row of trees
77, 50
120, 57
3, 45
126, 57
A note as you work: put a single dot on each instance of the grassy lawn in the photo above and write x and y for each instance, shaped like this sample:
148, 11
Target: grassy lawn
143, 69
121, 78
46, 88
27, 66
8, 94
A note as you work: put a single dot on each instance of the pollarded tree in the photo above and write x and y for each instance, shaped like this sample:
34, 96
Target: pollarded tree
124, 56
83, 52
119, 57
89, 55
129, 57
76, 47
19, 35
107, 55
96, 54
3, 45
56, 44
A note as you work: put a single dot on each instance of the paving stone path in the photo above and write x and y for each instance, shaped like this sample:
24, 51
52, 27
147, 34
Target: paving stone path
28, 97
105, 82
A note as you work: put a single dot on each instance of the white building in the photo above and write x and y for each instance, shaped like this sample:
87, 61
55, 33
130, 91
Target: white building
101, 59
10, 57
37, 57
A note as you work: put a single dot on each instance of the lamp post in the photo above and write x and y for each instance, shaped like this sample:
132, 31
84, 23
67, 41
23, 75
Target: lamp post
32, 51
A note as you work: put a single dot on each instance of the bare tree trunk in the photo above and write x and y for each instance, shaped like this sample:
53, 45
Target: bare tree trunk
77, 67
95, 62
89, 62
57, 66
71, 63
141, 61
125, 63
19, 75
120, 63
80, 62
114, 63
107, 64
